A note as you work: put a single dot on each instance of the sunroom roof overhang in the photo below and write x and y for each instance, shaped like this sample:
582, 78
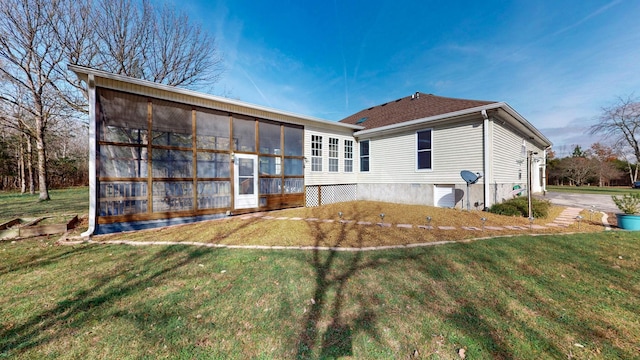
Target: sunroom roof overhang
197, 98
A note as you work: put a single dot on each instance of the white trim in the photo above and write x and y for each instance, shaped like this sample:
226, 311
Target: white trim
93, 184
247, 201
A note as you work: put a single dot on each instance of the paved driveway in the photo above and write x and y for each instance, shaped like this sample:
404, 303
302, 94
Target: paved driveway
584, 201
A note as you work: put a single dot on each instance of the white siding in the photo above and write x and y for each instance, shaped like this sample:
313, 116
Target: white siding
325, 177
455, 148
508, 161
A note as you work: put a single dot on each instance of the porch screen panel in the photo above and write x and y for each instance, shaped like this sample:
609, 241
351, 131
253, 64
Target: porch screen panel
213, 165
123, 161
172, 196
122, 198
293, 159
269, 138
123, 117
171, 124
293, 137
244, 134
172, 163
212, 130
214, 194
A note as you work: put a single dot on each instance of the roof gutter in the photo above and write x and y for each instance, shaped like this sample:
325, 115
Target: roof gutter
84, 72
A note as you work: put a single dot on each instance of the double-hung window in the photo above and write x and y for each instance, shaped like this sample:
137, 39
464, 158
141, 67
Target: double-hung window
348, 156
316, 153
424, 151
364, 155
333, 155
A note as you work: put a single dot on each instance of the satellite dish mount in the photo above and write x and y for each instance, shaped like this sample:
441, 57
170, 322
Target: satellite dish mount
470, 178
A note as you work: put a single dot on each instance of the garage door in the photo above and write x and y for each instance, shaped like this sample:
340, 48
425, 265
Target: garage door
444, 196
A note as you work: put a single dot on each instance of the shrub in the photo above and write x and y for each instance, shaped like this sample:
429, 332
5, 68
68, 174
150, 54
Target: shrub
628, 203
520, 207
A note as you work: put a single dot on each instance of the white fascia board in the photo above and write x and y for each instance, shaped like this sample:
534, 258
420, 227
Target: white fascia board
515, 115
83, 73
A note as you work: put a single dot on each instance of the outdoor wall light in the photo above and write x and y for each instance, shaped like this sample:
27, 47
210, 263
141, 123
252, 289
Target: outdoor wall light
233, 157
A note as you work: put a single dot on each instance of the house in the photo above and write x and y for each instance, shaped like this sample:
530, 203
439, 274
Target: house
162, 155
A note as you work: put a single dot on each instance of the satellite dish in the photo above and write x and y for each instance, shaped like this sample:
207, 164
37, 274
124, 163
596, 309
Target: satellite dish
470, 177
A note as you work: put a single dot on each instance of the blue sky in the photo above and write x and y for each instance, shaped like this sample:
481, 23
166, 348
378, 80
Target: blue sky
556, 62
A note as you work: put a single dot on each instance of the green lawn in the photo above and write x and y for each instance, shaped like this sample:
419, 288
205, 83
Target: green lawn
592, 190
571, 296
63, 201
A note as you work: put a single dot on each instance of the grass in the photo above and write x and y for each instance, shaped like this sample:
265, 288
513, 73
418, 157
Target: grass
571, 296
592, 190
63, 201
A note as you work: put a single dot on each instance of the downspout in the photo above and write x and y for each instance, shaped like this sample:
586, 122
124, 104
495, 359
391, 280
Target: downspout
91, 92
544, 171
486, 158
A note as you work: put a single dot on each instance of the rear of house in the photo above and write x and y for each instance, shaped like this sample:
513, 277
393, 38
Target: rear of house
161, 155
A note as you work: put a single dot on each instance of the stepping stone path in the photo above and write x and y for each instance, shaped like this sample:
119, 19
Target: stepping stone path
565, 219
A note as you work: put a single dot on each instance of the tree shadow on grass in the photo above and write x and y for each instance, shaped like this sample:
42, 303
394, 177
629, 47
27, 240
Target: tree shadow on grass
74, 311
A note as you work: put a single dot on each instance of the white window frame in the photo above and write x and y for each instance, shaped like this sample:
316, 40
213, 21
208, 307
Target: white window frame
348, 156
419, 151
316, 153
334, 160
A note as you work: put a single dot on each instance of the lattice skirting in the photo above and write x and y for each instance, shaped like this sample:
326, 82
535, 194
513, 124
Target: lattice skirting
328, 194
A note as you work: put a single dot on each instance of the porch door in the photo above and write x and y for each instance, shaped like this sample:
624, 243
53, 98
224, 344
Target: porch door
245, 170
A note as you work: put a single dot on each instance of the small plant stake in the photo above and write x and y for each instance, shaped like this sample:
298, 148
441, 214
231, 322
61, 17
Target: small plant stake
340, 214
428, 222
579, 218
484, 220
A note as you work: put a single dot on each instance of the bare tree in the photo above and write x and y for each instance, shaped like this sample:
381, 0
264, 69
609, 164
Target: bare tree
577, 169
604, 157
133, 38
39, 37
30, 56
620, 122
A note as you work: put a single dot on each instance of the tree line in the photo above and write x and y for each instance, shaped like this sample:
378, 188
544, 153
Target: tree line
615, 163
43, 106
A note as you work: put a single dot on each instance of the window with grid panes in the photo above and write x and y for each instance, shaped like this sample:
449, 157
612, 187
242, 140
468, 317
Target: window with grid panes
348, 155
333, 155
316, 153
